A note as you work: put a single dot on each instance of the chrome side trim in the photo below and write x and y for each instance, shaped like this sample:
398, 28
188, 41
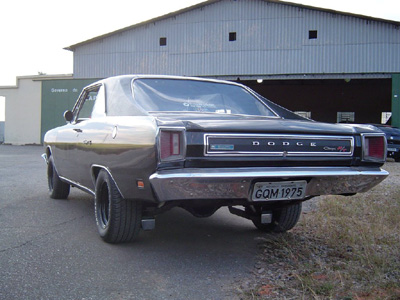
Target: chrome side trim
189, 184
278, 153
44, 156
109, 173
78, 185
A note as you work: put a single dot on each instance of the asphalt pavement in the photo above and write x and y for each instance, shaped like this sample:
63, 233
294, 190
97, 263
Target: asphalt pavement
50, 249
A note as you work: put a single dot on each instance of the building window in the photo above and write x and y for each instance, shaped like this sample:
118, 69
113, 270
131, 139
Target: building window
304, 114
385, 117
312, 34
345, 117
232, 36
163, 41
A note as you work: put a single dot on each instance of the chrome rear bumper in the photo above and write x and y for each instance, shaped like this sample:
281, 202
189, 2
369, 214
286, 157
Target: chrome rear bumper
219, 184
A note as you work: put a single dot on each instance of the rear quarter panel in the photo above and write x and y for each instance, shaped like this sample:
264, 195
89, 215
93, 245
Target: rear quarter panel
125, 146
128, 151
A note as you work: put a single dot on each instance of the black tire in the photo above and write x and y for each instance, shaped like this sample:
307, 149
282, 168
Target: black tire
397, 159
118, 220
283, 219
57, 188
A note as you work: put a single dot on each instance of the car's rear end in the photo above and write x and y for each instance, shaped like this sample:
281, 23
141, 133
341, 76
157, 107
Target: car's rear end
216, 149
206, 159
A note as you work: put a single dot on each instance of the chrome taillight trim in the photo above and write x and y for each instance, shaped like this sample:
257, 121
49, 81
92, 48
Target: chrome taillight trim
182, 156
372, 159
348, 153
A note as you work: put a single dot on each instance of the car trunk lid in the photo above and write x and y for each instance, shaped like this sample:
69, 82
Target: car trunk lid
238, 141
250, 124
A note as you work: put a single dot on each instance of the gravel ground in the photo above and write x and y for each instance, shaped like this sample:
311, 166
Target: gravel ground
275, 266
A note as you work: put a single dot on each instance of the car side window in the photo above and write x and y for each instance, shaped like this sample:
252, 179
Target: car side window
99, 108
87, 103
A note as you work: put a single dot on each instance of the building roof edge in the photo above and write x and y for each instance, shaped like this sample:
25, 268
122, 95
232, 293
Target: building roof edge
208, 2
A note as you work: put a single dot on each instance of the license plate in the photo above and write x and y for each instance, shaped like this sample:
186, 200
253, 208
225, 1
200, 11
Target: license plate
393, 149
283, 190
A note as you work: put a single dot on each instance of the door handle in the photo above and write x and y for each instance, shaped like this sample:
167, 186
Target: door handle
77, 130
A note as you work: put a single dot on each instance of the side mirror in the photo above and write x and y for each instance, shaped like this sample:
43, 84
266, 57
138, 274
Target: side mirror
68, 116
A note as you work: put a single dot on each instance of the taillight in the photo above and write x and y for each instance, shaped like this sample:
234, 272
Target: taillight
172, 145
374, 148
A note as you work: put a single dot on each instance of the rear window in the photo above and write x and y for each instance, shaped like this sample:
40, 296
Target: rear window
176, 95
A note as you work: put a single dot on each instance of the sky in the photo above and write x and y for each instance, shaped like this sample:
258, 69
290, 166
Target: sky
34, 33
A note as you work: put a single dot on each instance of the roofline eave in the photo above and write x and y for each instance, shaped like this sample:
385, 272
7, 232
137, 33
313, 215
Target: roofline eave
207, 2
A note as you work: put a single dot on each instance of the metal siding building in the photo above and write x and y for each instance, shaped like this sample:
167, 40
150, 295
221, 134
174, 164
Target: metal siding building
321, 62
324, 63
272, 41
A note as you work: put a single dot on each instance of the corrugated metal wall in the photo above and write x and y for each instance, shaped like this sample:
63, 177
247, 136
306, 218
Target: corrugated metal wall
272, 39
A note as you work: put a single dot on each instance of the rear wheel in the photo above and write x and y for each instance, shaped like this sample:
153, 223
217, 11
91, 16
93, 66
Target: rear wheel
57, 188
283, 219
118, 220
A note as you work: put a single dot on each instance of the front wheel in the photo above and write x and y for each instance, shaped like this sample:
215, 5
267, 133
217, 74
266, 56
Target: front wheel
57, 188
118, 220
283, 219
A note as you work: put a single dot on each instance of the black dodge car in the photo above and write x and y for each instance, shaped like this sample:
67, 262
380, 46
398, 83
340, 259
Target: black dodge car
142, 145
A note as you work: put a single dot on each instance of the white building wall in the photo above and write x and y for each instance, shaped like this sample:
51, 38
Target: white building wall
22, 112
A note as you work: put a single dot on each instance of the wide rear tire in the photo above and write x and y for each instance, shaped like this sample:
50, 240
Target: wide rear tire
57, 188
118, 220
283, 219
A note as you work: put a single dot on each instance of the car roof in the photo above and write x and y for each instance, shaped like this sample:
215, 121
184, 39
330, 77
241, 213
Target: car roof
123, 78
119, 94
